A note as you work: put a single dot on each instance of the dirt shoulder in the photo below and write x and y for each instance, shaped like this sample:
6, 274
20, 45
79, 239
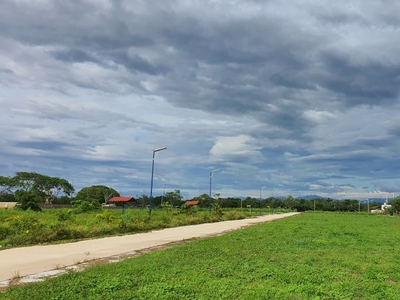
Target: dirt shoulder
30, 264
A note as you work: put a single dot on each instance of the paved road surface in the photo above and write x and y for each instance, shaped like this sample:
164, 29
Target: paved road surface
38, 259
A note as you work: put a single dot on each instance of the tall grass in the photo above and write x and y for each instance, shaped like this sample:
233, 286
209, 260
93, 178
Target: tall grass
23, 228
309, 256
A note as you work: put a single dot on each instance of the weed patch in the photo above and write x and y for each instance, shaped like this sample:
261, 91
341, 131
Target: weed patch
87, 220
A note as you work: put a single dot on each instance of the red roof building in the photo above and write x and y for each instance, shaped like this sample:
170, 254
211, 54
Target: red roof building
122, 199
192, 202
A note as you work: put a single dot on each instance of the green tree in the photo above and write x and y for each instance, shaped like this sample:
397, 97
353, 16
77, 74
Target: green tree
205, 200
32, 188
230, 202
396, 204
157, 200
101, 193
5, 197
143, 200
81, 206
301, 205
350, 205
273, 202
28, 199
48, 187
6, 189
174, 198
289, 202
27, 181
54, 186
253, 202
6, 185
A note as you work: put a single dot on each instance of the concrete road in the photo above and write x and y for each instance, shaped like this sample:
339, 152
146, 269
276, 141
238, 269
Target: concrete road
20, 262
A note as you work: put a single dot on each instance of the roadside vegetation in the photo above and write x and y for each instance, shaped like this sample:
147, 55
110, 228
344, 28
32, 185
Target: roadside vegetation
88, 220
309, 256
47, 210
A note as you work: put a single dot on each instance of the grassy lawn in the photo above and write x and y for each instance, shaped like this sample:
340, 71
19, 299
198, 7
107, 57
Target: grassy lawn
309, 256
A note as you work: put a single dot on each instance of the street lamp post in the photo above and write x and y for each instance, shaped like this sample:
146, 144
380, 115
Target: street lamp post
209, 198
152, 175
261, 196
72, 194
162, 198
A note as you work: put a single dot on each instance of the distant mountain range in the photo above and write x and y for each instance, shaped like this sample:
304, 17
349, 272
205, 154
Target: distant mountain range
311, 197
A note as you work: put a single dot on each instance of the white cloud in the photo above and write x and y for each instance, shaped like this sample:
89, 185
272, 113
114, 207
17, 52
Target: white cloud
234, 146
319, 116
287, 95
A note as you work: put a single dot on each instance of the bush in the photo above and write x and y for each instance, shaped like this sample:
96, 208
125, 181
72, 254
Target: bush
234, 215
189, 209
106, 216
81, 206
61, 231
4, 232
216, 210
28, 200
65, 216
22, 223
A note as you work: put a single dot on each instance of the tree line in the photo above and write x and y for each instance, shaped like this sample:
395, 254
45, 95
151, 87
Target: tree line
31, 190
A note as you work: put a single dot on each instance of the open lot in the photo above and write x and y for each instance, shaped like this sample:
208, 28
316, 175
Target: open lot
58, 258
309, 256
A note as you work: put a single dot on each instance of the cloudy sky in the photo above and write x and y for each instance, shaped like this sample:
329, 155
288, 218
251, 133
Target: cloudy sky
301, 97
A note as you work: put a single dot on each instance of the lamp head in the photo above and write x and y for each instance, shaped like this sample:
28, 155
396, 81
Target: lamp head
213, 171
159, 149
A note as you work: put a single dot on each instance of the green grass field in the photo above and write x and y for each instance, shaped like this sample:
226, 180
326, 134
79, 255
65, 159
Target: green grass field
309, 256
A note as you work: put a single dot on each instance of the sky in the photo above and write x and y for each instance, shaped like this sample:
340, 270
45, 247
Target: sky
283, 97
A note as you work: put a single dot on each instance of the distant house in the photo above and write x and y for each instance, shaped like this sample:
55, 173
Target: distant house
8, 204
384, 207
192, 202
122, 200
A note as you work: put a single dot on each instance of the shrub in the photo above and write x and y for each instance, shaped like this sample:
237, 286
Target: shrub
189, 209
62, 231
216, 210
106, 216
22, 223
28, 200
81, 206
167, 207
65, 215
4, 231
234, 215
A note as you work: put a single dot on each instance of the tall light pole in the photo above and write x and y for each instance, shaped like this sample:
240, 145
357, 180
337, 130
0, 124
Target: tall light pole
152, 175
263, 187
162, 198
209, 198
72, 193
